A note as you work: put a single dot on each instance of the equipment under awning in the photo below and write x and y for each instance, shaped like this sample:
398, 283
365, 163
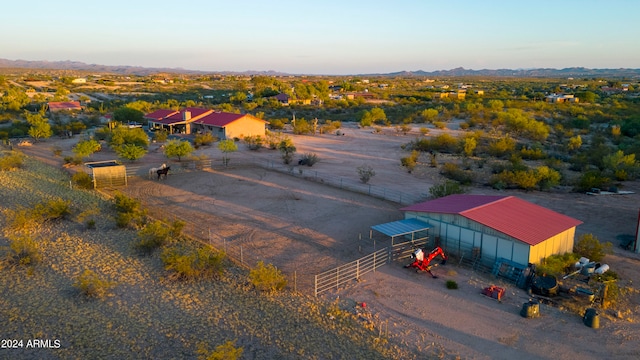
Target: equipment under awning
401, 227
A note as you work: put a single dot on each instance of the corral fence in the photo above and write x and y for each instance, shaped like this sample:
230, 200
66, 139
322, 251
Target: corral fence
340, 182
176, 168
339, 276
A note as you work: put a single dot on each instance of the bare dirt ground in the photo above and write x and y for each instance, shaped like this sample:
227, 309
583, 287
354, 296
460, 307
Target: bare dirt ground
305, 227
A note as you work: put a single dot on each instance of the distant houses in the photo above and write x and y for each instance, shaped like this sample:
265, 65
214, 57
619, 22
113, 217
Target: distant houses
197, 120
69, 106
561, 98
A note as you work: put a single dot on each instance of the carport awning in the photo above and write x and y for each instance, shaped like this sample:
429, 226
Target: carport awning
401, 227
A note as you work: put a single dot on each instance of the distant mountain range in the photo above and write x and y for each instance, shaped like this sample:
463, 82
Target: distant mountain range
457, 72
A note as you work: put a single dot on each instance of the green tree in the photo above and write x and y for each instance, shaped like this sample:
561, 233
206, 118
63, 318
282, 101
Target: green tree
39, 125
86, 148
123, 135
126, 114
130, 152
178, 148
287, 149
429, 115
227, 147
469, 145
575, 143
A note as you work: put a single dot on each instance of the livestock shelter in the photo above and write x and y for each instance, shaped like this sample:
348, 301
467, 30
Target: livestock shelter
496, 228
108, 173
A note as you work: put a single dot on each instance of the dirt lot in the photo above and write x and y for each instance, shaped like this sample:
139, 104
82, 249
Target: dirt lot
305, 227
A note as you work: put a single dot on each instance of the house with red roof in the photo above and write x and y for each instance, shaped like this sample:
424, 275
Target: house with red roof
222, 125
57, 106
491, 228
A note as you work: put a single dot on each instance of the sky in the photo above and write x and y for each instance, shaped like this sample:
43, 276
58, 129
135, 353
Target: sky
345, 37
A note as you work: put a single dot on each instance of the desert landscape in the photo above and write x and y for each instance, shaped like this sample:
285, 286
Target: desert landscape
305, 227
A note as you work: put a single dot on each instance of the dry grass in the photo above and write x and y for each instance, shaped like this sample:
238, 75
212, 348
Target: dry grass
147, 315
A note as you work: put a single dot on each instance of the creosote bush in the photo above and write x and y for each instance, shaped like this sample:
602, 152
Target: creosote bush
23, 250
267, 278
448, 187
308, 159
188, 263
157, 233
452, 285
92, 286
226, 351
128, 209
82, 180
365, 172
11, 160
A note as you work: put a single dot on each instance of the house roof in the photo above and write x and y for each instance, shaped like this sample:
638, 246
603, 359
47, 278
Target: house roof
194, 112
160, 114
282, 97
520, 219
222, 119
64, 105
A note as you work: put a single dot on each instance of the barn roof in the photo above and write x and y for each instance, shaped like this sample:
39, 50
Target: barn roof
520, 219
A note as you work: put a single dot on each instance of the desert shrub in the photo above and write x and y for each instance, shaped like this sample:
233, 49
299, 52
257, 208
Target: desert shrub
254, 142
410, 161
440, 124
88, 217
276, 124
452, 285
287, 149
502, 147
330, 126
591, 179
11, 160
23, 250
82, 180
56, 150
204, 139
557, 265
308, 159
92, 286
73, 160
155, 234
365, 172
127, 210
160, 135
453, 172
188, 263
126, 204
267, 278
446, 188
226, 351
532, 153
20, 218
54, 209
273, 139
590, 247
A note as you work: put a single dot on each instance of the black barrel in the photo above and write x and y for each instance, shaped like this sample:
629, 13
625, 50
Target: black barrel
591, 318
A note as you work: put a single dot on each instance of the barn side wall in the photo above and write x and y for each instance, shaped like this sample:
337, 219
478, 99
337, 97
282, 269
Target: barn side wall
245, 126
459, 236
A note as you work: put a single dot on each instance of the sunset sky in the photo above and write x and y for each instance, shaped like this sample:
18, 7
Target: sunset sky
328, 37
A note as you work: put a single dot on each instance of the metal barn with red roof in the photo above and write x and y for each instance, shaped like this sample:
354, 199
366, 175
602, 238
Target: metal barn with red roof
494, 227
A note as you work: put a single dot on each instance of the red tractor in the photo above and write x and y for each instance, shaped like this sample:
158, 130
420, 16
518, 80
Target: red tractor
423, 263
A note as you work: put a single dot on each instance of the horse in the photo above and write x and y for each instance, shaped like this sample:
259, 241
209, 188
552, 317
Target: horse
153, 171
164, 171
